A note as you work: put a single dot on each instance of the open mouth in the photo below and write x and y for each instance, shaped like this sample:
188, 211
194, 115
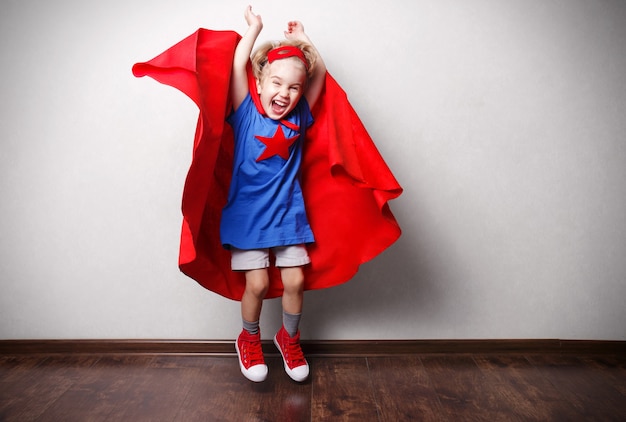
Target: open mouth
279, 107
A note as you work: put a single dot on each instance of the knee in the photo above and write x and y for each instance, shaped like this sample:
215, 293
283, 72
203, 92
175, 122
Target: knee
257, 283
293, 279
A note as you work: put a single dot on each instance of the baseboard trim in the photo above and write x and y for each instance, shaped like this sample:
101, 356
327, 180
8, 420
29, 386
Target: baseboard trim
315, 347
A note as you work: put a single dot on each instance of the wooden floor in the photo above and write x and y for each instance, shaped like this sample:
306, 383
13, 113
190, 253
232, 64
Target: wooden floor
428, 387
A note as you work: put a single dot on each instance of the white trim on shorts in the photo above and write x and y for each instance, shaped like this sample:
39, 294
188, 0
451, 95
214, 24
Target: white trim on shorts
253, 259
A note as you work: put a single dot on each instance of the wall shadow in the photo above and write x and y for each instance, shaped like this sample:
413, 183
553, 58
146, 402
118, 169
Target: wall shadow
398, 289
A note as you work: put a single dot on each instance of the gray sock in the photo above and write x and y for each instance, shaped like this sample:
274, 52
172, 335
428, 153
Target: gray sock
291, 323
251, 327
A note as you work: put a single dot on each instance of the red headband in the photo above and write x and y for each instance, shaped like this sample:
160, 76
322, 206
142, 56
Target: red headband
286, 51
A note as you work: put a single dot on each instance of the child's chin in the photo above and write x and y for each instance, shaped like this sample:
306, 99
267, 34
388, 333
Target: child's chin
276, 116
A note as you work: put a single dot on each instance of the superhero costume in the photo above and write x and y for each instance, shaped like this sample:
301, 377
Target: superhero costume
345, 182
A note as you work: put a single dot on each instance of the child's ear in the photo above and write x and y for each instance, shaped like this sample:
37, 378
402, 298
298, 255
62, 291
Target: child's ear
258, 86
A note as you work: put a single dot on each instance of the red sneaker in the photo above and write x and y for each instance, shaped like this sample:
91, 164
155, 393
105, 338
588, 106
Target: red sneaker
296, 365
250, 355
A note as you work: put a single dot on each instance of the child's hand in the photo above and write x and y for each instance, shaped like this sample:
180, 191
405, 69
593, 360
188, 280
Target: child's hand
295, 31
252, 19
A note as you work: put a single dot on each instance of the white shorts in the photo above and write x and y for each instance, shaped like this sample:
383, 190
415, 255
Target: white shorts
253, 259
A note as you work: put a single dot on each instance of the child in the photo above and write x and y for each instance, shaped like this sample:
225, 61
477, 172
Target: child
265, 209
257, 203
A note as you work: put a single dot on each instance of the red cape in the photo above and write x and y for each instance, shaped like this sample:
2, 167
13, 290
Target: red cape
346, 183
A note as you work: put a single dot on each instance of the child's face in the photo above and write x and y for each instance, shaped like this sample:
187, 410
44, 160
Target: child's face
281, 86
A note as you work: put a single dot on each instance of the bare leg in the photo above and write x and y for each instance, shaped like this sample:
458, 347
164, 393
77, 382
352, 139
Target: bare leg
293, 284
257, 284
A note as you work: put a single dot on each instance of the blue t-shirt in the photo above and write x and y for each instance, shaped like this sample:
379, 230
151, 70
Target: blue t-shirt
265, 204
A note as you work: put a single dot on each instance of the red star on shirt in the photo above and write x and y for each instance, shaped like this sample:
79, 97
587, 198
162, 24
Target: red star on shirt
276, 145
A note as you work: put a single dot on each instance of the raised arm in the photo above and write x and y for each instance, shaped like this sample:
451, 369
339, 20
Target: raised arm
295, 31
239, 78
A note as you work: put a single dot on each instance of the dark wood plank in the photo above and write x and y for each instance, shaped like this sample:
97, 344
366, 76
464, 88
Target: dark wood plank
289, 401
223, 394
463, 390
100, 391
494, 387
159, 392
13, 367
526, 394
590, 392
611, 368
342, 390
29, 389
403, 390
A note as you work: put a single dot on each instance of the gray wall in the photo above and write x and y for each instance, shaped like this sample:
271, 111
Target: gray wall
503, 120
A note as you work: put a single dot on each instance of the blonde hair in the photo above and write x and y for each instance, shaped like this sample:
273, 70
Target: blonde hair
259, 57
